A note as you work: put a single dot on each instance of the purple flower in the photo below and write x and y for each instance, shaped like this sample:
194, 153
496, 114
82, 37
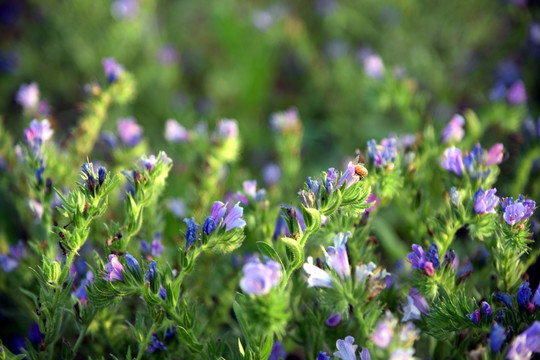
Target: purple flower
112, 69
384, 154
523, 294
168, 55
271, 174
333, 320
418, 260
349, 176
382, 337
373, 66
260, 278
331, 178
284, 121
162, 293
233, 219
497, 337
177, 206
250, 188
157, 246
145, 248
155, 345
419, 301
129, 131
346, 349
132, 263
28, 96
402, 354
174, 132
36, 134
277, 351
337, 258
323, 356
227, 128
372, 198
520, 210
475, 316
485, 201
317, 277
495, 154
536, 297
364, 354
114, 269
191, 232
486, 309
526, 344
517, 94
452, 160
454, 130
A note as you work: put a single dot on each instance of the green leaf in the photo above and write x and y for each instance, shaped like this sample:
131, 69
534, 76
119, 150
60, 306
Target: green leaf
295, 252
269, 251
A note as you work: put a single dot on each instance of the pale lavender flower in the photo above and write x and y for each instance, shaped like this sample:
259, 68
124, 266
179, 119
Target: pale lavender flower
485, 201
112, 69
526, 344
124, 9
168, 55
36, 208
349, 176
113, 269
317, 277
454, 130
260, 278
520, 210
36, 134
177, 206
250, 188
337, 258
175, 132
372, 198
410, 311
495, 154
364, 271
233, 219
284, 121
517, 94
373, 66
382, 337
402, 354
364, 354
28, 96
346, 349
157, 246
129, 131
452, 160
271, 174
419, 301
262, 19
7, 263
227, 128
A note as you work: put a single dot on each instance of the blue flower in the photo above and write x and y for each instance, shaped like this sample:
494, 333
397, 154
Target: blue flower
346, 349
433, 256
156, 345
523, 294
505, 298
475, 316
323, 356
331, 177
364, 354
157, 246
486, 309
517, 211
497, 337
333, 320
313, 186
191, 232
132, 263
152, 271
382, 155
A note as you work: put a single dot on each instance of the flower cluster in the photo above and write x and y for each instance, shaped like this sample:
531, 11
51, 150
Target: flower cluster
383, 155
400, 346
155, 249
475, 163
517, 211
260, 278
419, 260
92, 180
476, 315
526, 344
286, 121
232, 218
113, 70
129, 131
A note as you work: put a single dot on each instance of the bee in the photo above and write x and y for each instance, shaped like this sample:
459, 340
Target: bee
359, 168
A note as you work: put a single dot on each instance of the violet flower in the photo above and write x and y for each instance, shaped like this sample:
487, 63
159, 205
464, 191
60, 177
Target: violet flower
175, 132
284, 121
227, 128
271, 174
523, 294
475, 316
496, 337
418, 260
346, 349
28, 96
333, 320
337, 258
517, 94
454, 130
260, 278
526, 344
114, 269
112, 69
36, 134
191, 232
384, 154
129, 131
485, 201
155, 345
517, 211
452, 161
157, 246
495, 154
382, 337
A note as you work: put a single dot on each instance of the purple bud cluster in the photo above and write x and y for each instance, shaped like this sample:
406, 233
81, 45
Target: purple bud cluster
427, 262
475, 163
383, 155
476, 315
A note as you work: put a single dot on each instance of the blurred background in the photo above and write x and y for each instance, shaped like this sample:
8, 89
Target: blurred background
355, 70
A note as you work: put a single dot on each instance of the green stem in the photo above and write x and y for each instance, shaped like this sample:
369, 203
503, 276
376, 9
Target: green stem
82, 334
146, 341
